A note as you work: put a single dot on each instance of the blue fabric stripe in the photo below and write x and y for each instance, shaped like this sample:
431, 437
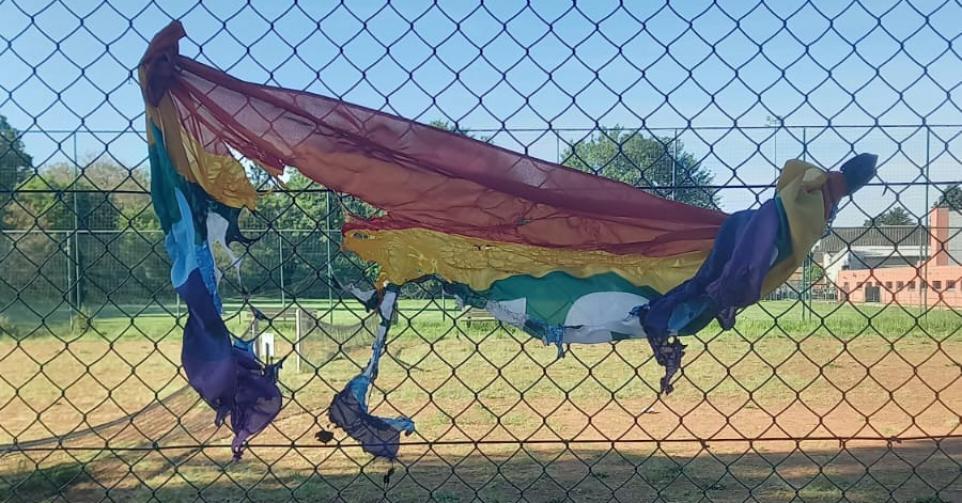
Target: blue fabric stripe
180, 243
228, 378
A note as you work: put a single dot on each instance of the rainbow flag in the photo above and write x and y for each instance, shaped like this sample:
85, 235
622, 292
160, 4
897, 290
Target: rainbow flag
568, 256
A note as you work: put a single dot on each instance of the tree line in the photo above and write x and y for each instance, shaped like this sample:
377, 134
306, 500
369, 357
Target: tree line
89, 234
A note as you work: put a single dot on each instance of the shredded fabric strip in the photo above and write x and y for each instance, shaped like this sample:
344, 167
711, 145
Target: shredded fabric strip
566, 256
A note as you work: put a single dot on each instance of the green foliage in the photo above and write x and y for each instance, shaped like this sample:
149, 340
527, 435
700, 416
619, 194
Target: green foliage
894, 216
951, 198
813, 273
13, 155
73, 226
15, 165
447, 126
78, 200
298, 243
654, 163
70, 222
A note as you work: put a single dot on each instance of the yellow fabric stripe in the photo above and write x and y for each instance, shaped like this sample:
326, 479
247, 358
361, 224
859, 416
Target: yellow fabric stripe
409, 254
221, 177
800, 189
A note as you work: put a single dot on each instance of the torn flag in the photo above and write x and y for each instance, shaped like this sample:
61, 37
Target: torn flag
568, 256
222, 369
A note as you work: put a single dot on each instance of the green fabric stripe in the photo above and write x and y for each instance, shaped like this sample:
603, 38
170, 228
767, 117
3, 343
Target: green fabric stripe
163, 181
164, 178
551, 296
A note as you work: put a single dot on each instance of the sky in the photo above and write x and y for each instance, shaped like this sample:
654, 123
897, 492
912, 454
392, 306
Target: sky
836, 77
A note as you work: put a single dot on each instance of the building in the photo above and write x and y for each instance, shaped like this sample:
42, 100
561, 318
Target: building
870, 248
918, 266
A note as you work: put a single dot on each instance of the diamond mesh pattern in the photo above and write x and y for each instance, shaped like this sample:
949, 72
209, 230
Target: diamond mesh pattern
845, 385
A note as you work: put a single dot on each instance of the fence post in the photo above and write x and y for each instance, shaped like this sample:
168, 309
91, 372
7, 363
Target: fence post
68, 287
254, 332
327, 254
674, 162
807, 310
280, 264
76, 255
298, 333
924, 298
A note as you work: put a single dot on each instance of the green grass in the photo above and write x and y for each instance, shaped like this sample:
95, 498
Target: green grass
780, 371
41, 482
542, 476
424, 318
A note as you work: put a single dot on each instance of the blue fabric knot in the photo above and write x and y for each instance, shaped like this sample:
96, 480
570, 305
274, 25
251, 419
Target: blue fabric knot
378, 436
554, 334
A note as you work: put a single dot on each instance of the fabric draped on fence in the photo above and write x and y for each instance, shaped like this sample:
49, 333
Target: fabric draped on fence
568, 256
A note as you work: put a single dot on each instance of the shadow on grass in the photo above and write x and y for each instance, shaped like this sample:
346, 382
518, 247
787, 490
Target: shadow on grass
921, 471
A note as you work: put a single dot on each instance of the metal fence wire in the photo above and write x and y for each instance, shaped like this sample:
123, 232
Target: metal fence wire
844, 385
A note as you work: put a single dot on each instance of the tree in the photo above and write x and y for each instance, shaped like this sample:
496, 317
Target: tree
813, 274
951, 198
106, 243
297, 237
67, 200
447, 126
15, 165
894, 216
657, 164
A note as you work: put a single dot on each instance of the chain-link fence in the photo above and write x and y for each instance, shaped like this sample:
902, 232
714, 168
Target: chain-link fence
846, 384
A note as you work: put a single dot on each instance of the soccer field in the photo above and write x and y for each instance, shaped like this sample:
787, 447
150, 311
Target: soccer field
839, 370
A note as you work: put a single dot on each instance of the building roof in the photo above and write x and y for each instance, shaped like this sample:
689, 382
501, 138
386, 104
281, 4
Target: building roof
891, 236
901, 251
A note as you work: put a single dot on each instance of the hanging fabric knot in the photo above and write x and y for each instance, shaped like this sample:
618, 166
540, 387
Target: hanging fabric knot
159, 61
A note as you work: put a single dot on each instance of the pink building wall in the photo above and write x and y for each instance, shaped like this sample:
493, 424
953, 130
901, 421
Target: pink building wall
939, 224
937, 283
904, 285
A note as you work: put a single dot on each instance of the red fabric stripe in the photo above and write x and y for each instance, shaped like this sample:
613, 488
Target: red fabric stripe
426, 177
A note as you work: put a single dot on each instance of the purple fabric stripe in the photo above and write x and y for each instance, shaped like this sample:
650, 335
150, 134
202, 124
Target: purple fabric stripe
730, 277
229, 379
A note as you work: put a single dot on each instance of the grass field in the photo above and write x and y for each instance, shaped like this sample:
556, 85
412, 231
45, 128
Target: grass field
782, 373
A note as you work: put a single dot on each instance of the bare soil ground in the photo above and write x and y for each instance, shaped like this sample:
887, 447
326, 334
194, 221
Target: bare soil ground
511, 392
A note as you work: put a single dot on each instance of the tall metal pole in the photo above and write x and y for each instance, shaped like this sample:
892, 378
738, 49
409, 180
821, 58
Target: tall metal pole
807, 308
327, 255
674, 161
924, 298
68, 287
774, 121
76, 227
